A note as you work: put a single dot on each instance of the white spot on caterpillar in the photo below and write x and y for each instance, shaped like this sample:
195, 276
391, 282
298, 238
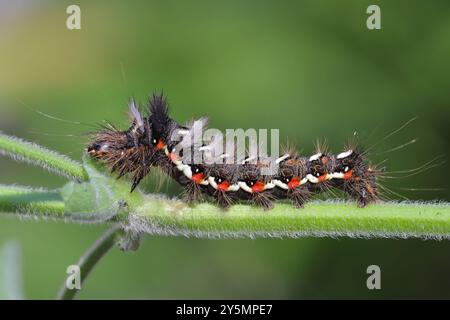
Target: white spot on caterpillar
280, 184
315, 157
248, 160
182, 132
344, 154
338, 175
285, 186
231, 188
269, 185
187, 171
212, 182
282, 158
313, 179
245, 187
177, 162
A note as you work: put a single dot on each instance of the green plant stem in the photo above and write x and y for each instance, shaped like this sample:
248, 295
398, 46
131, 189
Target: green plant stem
52, 161
157, 215
321, 219
92, 256
28, 201
41, 203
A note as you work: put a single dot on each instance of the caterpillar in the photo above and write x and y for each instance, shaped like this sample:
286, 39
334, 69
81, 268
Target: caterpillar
155, 140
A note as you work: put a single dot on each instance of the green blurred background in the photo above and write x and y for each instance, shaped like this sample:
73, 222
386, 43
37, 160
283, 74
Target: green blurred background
310, 68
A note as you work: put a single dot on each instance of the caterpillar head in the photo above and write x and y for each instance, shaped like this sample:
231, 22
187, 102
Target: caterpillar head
128, 151
111, 141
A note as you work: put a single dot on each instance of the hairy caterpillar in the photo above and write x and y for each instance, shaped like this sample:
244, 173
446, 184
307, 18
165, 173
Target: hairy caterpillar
149, 142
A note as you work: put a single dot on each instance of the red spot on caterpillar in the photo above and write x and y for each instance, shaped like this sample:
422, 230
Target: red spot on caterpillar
223, 186
348, 175
258, 186
198, 178
295, 182
160, 145
322, 177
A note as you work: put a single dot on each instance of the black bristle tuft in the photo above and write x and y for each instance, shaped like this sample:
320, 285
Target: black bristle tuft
159, 111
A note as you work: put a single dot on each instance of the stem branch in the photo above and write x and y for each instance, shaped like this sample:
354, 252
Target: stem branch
92, 256
34, 154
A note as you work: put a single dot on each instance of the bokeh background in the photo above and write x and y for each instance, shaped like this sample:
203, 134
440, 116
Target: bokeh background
310, 68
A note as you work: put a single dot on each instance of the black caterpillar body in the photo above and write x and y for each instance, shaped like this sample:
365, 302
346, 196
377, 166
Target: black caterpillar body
149, 142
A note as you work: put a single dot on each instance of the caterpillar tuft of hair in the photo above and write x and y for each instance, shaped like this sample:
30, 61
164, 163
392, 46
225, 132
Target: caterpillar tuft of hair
156, 140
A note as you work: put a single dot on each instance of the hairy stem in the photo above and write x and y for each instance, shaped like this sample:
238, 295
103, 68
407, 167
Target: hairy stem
52, 161
41, 203
157, 215
92, 256
28, 201
320, 219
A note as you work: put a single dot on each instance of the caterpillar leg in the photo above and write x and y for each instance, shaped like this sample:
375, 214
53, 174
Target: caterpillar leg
291, 189
136, 179
193, 191
299, 196
223, 199
263, 200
